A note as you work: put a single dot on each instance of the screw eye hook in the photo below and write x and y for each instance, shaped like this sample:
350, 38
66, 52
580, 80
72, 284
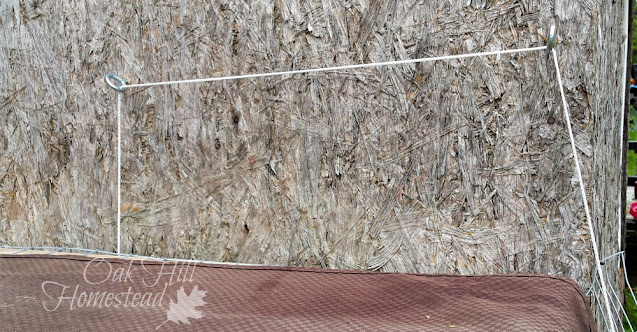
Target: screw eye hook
109, 80
551, 38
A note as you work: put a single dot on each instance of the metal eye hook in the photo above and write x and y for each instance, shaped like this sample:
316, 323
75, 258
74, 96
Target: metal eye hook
109, 80
551, 37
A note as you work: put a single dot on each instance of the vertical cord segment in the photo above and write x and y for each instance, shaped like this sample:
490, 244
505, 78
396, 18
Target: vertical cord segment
578, 172
119, 171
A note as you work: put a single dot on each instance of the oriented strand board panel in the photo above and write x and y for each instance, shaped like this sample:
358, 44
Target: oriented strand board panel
459, 166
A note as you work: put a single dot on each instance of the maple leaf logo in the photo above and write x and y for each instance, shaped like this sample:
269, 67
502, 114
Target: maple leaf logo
184, 308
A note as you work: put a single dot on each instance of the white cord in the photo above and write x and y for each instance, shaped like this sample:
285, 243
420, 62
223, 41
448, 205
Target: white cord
583, 190
119, 170
347, 67
291, 72
378, 64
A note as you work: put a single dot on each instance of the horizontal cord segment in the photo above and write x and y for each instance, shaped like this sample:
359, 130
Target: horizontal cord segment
337, 68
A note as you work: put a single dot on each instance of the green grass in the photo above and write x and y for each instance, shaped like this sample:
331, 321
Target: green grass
631, 310
631, 166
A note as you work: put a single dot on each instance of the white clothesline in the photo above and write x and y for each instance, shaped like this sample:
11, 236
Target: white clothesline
123, 86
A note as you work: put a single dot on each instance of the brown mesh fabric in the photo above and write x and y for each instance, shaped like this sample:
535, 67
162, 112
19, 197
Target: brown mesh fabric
62, 293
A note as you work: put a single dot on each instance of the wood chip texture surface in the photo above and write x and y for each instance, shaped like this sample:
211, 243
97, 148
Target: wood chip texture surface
459, 166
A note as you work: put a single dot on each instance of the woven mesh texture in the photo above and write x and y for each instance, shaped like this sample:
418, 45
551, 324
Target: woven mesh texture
78, 293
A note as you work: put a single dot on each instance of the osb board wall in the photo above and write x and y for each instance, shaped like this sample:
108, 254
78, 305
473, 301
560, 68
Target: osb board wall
458, 166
